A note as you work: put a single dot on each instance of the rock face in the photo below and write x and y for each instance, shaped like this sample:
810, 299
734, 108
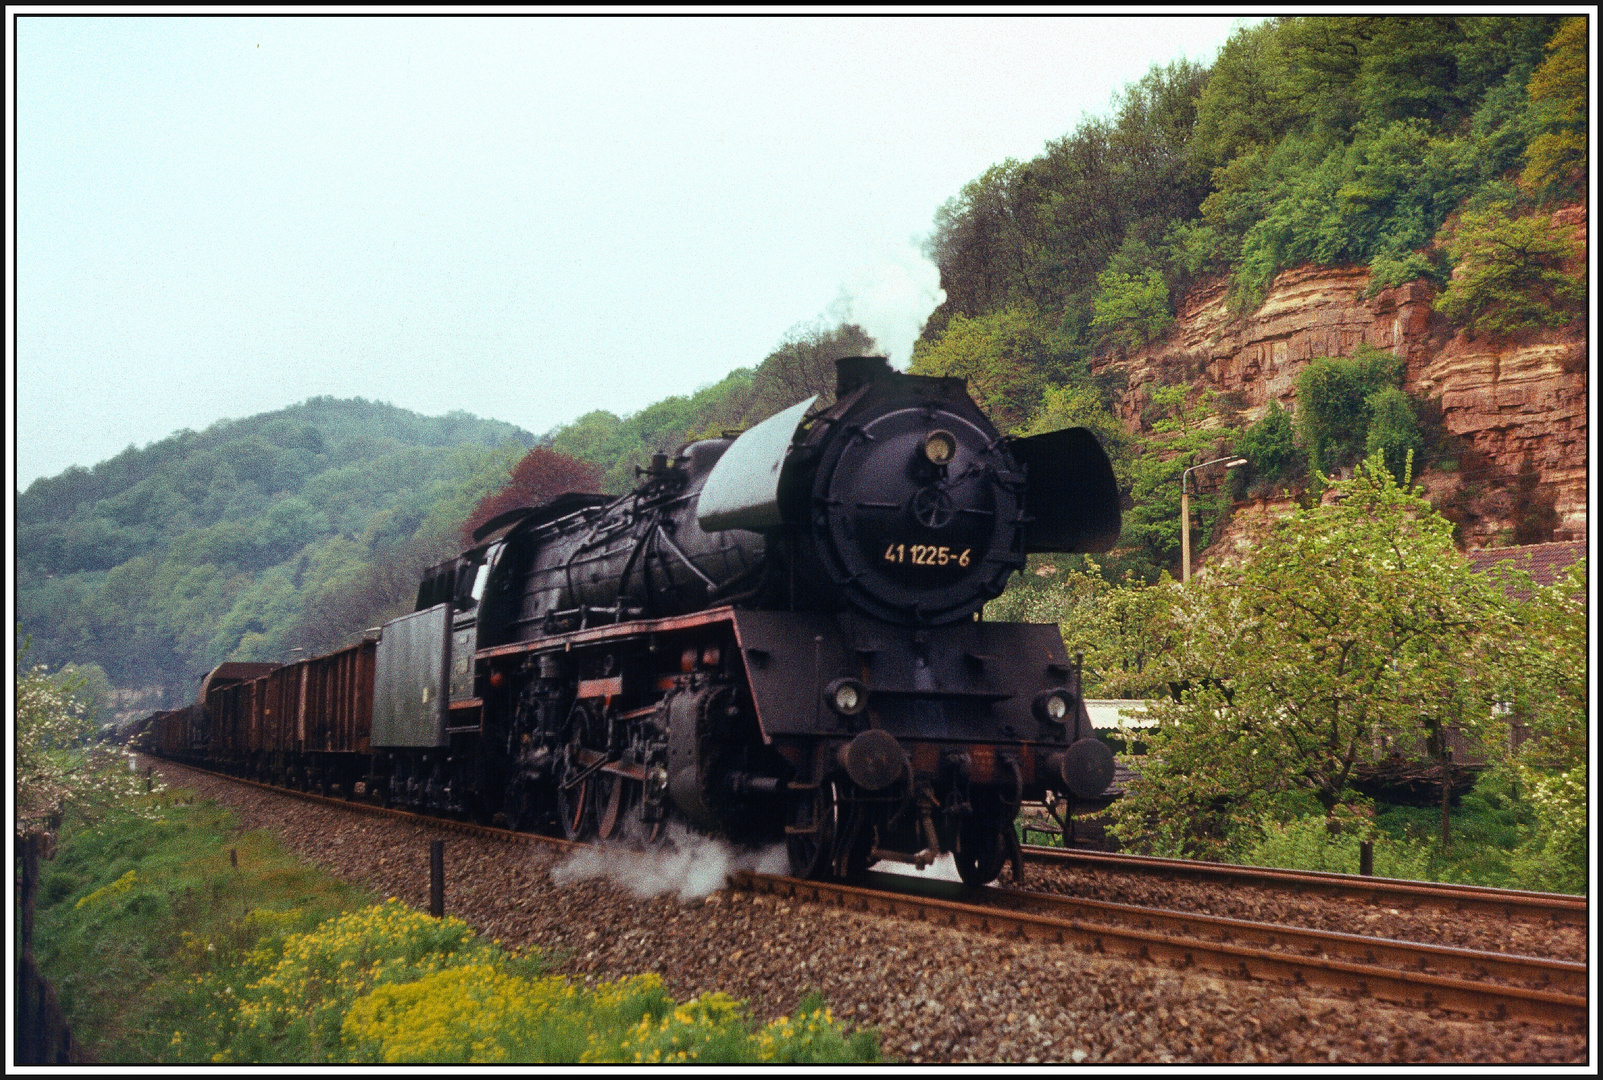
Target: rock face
1518, 402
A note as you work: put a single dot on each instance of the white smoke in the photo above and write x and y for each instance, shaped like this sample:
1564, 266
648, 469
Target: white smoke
893, 297
688, 863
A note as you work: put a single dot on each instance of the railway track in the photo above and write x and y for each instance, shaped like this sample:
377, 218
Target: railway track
1473, 983
1556, 908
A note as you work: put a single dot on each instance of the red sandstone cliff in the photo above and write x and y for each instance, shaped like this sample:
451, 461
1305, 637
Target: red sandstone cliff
1519, 402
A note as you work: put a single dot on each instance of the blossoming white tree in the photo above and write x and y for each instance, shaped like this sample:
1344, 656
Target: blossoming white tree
61, 767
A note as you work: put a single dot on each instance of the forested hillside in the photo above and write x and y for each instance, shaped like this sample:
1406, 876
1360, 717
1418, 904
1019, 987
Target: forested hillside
284, 530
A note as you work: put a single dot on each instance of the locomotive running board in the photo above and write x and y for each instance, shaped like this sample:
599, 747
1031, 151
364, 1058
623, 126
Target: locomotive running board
597, 634
790, 655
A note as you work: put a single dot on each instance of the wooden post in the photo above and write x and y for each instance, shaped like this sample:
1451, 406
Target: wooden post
1447, 790
437, 878
1366, 858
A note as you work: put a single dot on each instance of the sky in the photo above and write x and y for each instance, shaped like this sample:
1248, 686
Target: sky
526, 218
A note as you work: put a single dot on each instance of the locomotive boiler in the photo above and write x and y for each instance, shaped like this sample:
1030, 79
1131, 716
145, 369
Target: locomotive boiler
773, 638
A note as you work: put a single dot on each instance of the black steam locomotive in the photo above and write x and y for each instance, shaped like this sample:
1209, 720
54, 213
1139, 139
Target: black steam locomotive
773, 637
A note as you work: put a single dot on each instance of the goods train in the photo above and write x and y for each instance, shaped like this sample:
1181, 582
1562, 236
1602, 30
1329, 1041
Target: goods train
773, 638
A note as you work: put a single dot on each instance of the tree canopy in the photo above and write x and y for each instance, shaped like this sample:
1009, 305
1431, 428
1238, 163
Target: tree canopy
1346, 630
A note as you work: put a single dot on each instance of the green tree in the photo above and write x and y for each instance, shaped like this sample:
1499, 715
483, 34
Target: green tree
1546, 690
983, 244
1346, 629
1185, 434
1009, 358
1131, 309
1559, 94
91, 688
1117, 626
1512, 272
1242, 105
803, 364
1394, 432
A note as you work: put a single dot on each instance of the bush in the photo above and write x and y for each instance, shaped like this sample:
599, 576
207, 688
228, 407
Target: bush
1306, 844
1388, 270
1554, 859
1333, 403
481, 1014
1270, 448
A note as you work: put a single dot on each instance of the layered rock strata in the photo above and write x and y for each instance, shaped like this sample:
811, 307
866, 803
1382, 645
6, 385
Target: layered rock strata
1518, 402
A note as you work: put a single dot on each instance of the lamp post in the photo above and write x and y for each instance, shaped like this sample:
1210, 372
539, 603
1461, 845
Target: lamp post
1185, 510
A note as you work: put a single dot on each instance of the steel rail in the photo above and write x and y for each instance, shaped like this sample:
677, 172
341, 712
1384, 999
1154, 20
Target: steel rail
1411, 989
1507, 903
1565, 976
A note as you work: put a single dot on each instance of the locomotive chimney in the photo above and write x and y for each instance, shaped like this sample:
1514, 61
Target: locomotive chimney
853, 371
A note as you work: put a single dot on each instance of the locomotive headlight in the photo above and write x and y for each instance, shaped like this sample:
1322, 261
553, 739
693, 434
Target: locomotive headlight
846, 696
1052, 706
940, 447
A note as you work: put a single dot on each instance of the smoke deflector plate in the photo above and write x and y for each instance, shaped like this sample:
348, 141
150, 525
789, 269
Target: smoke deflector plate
742, 491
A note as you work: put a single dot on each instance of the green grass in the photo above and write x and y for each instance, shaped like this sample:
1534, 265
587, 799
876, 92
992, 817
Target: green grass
162, 949
1493, 840
116, 902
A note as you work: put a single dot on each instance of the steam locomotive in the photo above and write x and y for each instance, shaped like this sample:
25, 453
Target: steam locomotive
775, 637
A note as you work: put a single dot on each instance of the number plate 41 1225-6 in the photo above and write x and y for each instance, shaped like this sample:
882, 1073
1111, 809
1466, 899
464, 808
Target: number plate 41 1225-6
926, 555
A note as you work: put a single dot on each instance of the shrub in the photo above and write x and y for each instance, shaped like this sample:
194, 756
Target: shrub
479, 1013
1555, 859
1387, 270
1333, 408
1269, 446
1306, 843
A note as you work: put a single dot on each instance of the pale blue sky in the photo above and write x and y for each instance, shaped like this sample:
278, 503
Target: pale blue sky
525, 218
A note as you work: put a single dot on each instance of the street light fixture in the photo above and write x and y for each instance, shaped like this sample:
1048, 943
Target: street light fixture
1185, 510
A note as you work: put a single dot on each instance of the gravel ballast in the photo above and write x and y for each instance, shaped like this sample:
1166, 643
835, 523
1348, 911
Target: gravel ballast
936, 994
